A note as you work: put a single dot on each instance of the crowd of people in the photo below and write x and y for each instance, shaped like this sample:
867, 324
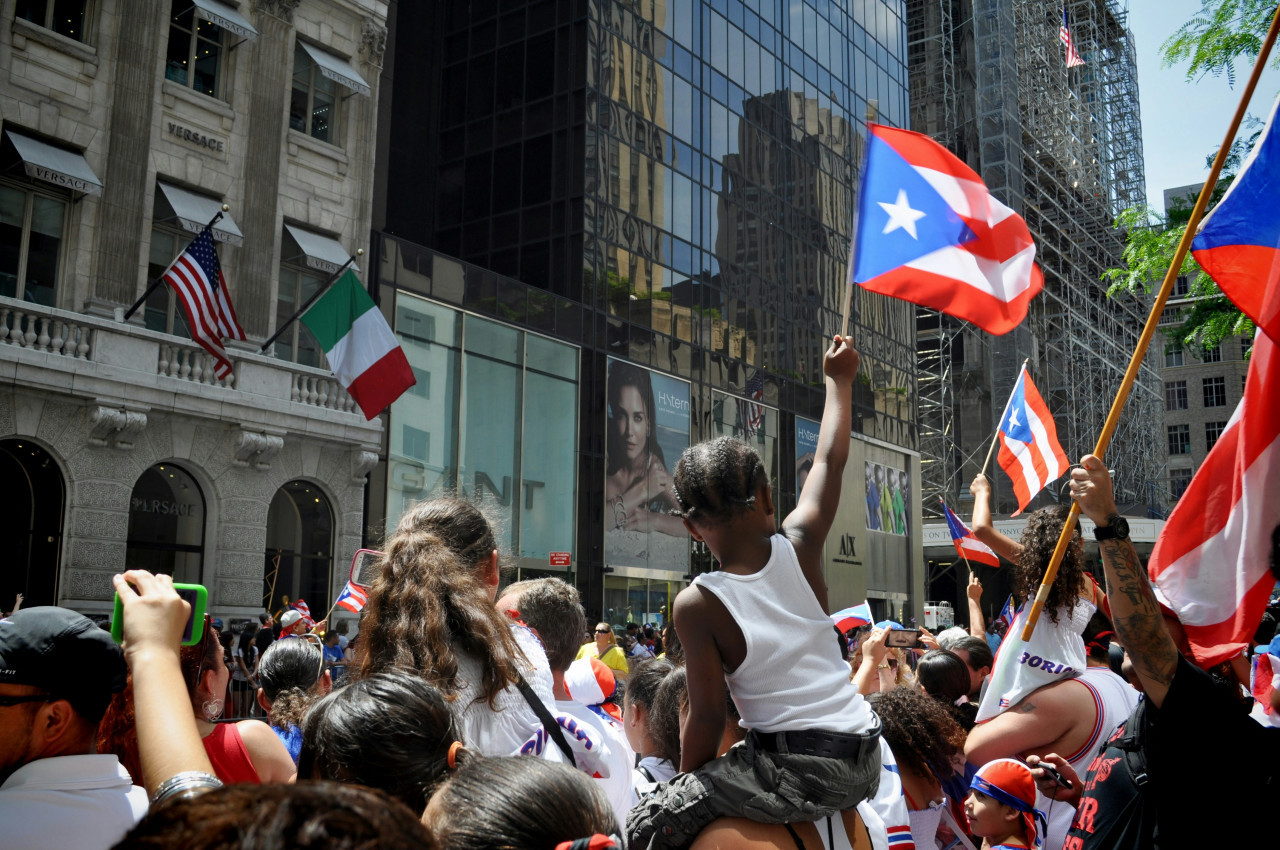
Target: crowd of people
467, 714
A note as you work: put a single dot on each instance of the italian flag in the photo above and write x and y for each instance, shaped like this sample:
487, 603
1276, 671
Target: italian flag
360, 345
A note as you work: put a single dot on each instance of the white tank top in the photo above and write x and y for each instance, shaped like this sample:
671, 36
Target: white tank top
792, 677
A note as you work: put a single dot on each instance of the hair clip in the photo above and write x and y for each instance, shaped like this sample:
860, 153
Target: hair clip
451, 760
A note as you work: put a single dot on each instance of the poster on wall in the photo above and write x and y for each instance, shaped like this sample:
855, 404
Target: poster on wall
806, 450
648, 428
888, 498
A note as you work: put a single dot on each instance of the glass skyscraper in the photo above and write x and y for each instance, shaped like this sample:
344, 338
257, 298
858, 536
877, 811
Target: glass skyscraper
668, 187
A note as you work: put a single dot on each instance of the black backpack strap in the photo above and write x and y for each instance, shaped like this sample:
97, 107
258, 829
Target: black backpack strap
548, 722
647, 775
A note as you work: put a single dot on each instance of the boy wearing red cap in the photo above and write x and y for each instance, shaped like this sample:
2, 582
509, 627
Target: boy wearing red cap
1001, 806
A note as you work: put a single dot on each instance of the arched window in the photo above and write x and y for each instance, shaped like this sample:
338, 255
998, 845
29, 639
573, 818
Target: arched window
166, 524
299, 556
32, 524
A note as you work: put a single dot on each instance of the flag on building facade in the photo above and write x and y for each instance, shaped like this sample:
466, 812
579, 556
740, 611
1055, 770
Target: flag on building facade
1029, 449
1064, 33
1210, 563
196, 278
304, 609
361, 348
353, 597
930, 233
967, 545
1239, 240
751, 413
852, 618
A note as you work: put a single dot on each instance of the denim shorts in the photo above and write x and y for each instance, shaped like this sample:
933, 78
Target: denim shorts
759, 781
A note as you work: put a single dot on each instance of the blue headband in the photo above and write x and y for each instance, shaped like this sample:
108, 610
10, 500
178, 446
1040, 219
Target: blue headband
995, 792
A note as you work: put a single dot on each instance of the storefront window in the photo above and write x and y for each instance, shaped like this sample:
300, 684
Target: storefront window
166, 524
497, 426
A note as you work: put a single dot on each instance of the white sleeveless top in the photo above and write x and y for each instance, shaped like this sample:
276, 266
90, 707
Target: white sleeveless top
792, 677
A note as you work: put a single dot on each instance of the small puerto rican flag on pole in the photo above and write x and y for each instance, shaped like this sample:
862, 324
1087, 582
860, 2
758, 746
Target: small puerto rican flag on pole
353, 598
853, 618
969, 547
1029, 449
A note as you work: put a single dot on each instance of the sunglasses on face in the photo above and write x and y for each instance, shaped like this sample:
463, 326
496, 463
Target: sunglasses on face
603, 631
204, 643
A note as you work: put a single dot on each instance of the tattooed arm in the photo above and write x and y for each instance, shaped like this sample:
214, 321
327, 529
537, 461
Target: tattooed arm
1135, 614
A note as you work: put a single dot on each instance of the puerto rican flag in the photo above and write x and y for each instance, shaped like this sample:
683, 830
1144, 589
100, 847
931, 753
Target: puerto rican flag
1007, 613
852, 618
353, 598
1210, 564
930, 233
1029, 449
969, 547
1239, 240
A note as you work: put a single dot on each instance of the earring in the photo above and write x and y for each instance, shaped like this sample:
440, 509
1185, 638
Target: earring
212, 709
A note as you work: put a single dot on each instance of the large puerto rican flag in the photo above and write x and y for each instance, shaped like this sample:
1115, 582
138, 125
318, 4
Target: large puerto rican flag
1239, 240
1029, 449
930, 232
1210, 564
967, 546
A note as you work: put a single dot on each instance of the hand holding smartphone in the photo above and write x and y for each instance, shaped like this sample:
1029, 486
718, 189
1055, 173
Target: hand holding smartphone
903, 638
196, 595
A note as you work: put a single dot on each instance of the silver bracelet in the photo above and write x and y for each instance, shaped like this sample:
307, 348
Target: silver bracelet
185, 784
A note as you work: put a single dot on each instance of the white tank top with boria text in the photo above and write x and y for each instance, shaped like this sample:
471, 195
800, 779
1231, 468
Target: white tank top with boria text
793, 677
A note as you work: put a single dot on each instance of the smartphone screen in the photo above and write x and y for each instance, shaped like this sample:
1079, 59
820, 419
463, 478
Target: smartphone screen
902, 637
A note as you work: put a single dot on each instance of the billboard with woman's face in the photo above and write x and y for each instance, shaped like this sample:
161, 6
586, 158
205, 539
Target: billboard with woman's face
648, 428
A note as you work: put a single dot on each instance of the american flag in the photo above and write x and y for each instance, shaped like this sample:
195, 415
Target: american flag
353, 598
197, 279
750, 414
1073, 55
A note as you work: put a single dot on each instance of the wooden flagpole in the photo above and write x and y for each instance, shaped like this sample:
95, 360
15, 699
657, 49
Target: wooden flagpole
1135, 362
996, 439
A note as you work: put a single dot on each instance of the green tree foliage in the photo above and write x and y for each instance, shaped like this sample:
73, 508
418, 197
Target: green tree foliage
1221, 34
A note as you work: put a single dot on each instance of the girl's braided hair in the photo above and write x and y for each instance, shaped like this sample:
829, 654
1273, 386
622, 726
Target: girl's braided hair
718, 479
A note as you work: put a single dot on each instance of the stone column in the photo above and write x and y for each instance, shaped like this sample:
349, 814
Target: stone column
270, 69
125, 191
364, 112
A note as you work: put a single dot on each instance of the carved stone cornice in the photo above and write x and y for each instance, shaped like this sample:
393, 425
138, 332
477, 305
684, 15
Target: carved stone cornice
373, 41
282, 9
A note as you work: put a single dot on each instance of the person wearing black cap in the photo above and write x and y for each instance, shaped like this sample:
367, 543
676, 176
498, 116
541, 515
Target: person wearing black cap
58, 671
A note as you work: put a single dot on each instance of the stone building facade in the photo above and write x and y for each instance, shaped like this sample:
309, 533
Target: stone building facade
125, 126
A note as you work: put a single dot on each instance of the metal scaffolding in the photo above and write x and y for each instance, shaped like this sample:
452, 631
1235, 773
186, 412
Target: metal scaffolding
1062, 147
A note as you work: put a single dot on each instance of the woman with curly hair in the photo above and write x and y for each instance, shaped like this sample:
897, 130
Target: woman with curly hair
928, 745
1031, 556
431, 611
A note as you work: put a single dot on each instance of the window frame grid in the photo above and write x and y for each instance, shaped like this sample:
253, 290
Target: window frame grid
31, 191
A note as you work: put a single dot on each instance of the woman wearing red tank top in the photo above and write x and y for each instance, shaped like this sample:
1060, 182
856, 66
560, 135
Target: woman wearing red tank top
247, 751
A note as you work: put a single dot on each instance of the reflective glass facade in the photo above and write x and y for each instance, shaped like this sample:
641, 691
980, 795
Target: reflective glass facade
665, 183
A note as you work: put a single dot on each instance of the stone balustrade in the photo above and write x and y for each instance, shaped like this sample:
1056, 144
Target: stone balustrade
103, 358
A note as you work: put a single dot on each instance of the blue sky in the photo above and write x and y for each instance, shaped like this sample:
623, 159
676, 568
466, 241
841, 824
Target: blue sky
1183, 122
